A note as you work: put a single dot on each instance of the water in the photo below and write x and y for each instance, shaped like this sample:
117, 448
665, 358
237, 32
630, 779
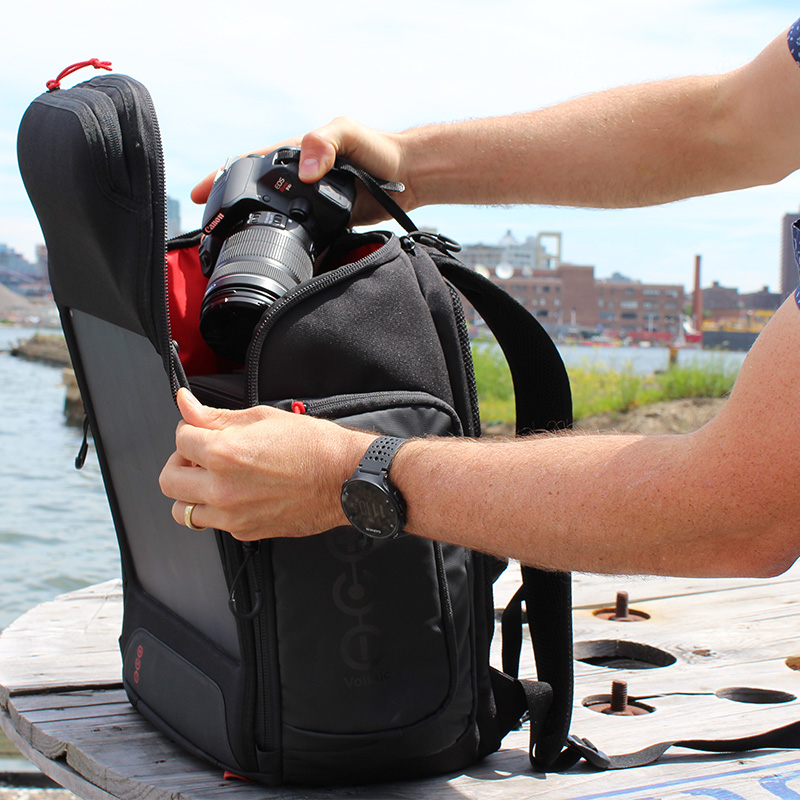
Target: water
56, 533
646, 360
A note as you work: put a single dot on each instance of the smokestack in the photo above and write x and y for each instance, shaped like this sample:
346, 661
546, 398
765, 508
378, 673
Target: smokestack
697, 302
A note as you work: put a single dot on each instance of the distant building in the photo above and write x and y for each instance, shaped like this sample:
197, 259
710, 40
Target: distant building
568, 299
24, 278
173, 218
631, 308
513, 256
762, 300
720, 298
727, 311
14, 263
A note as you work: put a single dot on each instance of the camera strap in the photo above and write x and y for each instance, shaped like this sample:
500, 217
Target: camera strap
377, 187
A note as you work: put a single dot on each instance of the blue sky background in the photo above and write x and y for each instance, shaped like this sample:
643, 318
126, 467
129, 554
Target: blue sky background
231, 76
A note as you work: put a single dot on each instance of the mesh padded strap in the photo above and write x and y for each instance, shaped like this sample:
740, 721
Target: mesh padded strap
543, 402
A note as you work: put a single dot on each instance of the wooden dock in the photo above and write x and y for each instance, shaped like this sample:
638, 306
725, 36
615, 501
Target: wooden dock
62, 704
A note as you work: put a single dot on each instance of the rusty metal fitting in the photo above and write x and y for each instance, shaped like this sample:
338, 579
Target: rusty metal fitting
617, 703
621, 612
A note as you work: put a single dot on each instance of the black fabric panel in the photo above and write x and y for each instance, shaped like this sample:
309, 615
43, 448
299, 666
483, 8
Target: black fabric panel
186, 698
372, 656
373, 759
373, 332
91, 167
143, 613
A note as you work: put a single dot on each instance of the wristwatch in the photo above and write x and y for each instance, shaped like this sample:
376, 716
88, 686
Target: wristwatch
371, 502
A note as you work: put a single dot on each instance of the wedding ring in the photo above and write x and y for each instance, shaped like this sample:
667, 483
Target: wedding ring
187, 517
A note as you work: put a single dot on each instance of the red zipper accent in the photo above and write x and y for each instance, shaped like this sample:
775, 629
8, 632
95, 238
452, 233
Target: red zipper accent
298, 407
227, 775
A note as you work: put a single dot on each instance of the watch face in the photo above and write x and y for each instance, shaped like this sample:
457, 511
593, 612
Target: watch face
370, 508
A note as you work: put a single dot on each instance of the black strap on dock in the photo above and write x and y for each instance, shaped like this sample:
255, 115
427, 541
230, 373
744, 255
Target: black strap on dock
784, 738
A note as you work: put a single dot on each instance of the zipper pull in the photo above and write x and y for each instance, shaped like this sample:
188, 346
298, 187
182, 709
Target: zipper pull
438, 240
251, 549
407, 243
92, 62
80, 459
298, 407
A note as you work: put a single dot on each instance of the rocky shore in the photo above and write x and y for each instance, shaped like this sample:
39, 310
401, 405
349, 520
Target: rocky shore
671, 416
52, 349
47, 348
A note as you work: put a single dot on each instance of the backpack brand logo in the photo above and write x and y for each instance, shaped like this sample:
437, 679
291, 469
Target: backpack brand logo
137, 664
357, 681
355, 594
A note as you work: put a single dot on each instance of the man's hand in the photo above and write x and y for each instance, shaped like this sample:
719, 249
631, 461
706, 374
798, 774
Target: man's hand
259, 472
377, 152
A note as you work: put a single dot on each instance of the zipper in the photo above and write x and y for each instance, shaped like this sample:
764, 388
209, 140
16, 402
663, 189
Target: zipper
169, 349
134, 96
298, 295
448, 623
83, 450
345, 404
251, 603
104, 111
267, 723
466, 355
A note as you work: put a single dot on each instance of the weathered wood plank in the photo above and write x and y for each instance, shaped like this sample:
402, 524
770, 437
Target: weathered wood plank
722, 634
70, 641
57, 770
126, 772
81, 698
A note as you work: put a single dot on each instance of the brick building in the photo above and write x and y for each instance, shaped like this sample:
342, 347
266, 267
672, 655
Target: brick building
640, 310
724, 304
567, 298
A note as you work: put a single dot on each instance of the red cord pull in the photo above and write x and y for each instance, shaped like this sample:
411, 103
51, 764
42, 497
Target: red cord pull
92, 62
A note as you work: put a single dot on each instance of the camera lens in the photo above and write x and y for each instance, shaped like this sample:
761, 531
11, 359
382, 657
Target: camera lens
257, 265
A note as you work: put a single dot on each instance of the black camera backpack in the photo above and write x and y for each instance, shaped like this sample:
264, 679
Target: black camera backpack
327, 659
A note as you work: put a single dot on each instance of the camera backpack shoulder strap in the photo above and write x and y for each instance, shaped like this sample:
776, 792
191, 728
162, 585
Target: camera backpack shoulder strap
543, 403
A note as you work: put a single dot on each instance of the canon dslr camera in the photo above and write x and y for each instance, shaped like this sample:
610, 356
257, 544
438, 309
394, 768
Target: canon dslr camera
264, 229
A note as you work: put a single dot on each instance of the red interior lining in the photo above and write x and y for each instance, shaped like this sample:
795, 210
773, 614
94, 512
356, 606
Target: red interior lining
187, 285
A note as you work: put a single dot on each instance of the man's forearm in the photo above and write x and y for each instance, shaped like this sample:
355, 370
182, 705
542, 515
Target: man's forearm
633, 146
602, 503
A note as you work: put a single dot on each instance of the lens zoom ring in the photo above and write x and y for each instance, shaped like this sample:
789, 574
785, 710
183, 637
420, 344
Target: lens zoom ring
266, 251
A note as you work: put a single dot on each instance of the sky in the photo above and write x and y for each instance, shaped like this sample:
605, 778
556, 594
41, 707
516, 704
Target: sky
228, 77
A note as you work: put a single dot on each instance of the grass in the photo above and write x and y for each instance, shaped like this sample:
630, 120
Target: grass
597, 389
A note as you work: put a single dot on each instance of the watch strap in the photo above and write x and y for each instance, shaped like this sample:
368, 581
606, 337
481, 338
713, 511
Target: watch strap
380, 453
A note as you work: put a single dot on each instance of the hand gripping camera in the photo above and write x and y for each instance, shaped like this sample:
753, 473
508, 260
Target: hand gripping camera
264, 229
